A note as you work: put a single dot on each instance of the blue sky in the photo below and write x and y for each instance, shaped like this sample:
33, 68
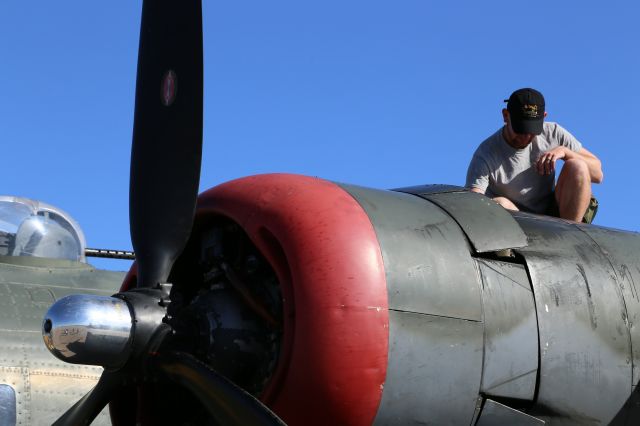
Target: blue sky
381, 94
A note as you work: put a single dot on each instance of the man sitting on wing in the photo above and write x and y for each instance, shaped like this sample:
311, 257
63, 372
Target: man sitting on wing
516, 165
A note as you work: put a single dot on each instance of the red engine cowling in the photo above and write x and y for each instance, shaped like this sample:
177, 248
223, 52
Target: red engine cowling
325, 253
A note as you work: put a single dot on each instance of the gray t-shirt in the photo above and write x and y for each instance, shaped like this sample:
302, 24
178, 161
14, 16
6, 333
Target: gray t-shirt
500, 170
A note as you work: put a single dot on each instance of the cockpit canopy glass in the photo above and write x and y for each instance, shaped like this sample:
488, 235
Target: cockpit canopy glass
33, 228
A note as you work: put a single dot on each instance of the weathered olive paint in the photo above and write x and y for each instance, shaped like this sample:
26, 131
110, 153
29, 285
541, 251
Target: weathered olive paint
477, 215
510, 365
567, 300
585, 342
622, 249
44, 386
435, 312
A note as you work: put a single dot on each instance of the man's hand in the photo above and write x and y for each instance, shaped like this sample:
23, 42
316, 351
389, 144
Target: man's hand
546, 164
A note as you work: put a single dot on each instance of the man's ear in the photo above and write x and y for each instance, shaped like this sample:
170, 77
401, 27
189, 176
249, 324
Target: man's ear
545, 114
505, 115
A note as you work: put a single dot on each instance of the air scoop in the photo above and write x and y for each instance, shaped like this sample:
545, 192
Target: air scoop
95, 330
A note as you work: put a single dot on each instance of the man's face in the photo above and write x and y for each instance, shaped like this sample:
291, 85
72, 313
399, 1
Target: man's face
516, 140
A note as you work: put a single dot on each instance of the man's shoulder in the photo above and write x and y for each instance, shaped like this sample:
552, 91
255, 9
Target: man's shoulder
490, 145
552, 129
491, 141
554, 134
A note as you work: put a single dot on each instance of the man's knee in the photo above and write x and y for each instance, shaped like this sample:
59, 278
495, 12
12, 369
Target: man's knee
505, 202
576, 170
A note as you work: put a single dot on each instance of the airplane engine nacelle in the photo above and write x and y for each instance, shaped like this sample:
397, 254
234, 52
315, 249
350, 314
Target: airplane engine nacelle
332, 361
420, 305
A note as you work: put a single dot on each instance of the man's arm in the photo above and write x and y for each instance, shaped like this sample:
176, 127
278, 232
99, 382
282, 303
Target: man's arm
547, 162
477, 174
594, 163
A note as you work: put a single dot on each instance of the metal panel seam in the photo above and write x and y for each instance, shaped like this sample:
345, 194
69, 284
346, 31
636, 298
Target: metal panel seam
470, 245
57, 286
512, 379
535, 310
480, 279
489, 266
433, 315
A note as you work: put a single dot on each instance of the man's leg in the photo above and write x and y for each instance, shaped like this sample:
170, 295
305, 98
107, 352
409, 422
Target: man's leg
573, 191
506, 203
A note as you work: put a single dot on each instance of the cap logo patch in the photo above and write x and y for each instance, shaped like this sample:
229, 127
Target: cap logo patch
169, 88
530, 111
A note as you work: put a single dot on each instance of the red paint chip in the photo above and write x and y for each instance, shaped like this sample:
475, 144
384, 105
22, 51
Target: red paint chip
169, 88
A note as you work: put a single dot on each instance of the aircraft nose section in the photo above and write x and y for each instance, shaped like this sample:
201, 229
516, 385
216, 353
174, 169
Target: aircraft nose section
85, 329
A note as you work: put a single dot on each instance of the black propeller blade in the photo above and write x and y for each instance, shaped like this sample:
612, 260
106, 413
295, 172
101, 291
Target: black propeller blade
165, 173
227, 403
89, 406
167, 135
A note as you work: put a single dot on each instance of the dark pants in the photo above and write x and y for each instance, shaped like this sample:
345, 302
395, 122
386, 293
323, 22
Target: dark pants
589, 214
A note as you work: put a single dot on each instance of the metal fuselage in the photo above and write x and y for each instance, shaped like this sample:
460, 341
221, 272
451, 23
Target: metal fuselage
35, 387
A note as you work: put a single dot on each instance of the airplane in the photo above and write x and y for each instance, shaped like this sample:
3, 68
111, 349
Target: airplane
42, 259
284, 298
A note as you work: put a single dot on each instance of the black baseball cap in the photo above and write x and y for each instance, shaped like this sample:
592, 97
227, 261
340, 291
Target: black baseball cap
526, 109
